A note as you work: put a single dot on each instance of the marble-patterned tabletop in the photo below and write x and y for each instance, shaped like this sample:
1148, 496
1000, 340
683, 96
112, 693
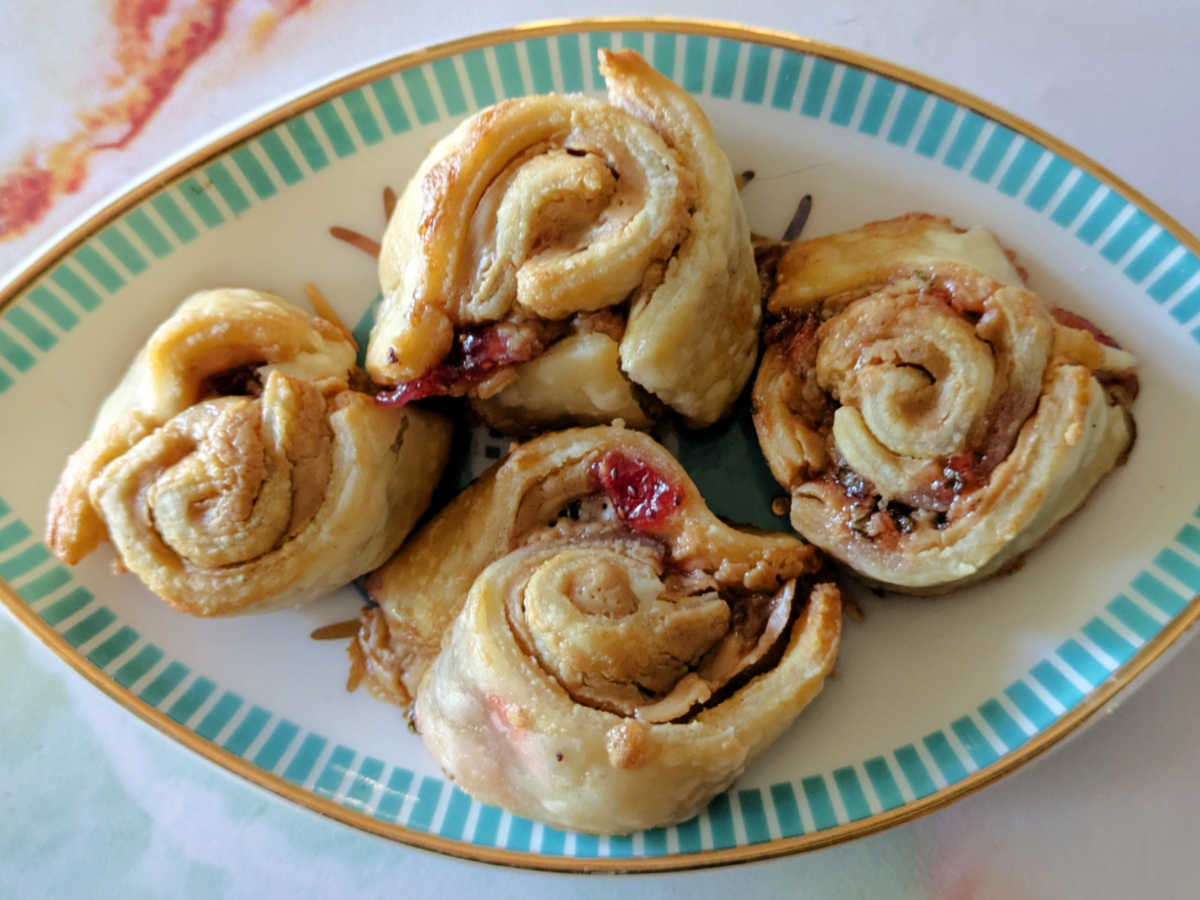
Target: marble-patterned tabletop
94, 803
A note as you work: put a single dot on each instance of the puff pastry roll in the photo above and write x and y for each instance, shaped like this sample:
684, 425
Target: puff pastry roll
234, 469
559, 259
604, 654
931, 418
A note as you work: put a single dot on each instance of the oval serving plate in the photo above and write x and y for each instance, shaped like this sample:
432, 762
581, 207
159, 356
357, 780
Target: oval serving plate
933, 699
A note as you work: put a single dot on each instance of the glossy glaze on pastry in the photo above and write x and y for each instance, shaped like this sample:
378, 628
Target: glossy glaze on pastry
602, 653
931, 418
561, 259
234, 469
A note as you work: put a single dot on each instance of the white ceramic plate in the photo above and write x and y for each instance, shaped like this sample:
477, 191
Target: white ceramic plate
933, 699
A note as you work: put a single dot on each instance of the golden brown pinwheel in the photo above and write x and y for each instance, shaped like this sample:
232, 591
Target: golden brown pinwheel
588, 645
931, 418
234, 469
559, 259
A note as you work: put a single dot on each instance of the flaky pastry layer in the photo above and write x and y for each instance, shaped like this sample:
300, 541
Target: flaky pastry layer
234, 469
931, 418
604, 654
539, 212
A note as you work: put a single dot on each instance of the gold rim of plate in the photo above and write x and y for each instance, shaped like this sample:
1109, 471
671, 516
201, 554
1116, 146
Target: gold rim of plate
1010, 762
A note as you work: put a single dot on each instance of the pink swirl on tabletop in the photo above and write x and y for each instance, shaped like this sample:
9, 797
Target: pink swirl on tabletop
157, 42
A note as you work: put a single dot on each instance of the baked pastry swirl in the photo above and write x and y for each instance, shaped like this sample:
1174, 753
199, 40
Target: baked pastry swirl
559, 259
234, 469
604, 654
931, 418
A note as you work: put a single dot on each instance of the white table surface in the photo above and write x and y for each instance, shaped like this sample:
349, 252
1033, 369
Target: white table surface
95, 803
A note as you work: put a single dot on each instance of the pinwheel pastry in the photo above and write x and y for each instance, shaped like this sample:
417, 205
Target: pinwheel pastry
234, 468
602, 653
559, 259
931, 418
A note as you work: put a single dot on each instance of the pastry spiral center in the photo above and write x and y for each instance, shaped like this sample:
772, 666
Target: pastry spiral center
604, 625
912, 374
572, 222
602, 589
235, 477
923, 378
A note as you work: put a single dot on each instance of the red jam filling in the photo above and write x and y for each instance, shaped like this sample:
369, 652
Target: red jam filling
796, 331
1074, 320
964, 471
642, 497
1016, 264
477, 354
960, 474
1126, 381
